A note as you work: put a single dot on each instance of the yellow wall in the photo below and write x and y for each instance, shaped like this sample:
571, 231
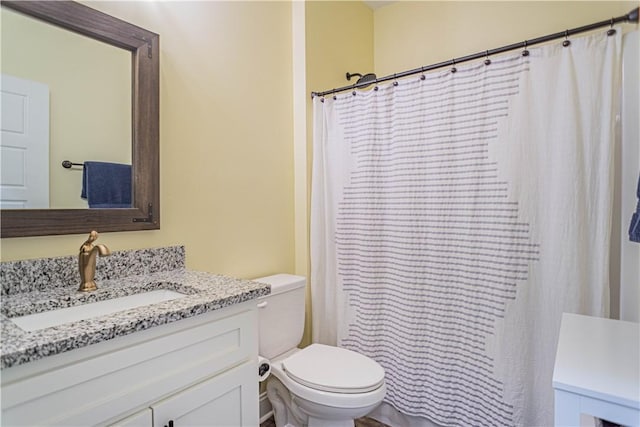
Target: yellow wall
225, 138
34, 50
339, 39
410, 34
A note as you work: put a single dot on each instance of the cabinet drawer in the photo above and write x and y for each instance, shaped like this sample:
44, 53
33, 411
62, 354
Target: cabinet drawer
129, 372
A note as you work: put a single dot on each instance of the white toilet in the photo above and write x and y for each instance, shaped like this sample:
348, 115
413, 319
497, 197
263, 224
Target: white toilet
319, 385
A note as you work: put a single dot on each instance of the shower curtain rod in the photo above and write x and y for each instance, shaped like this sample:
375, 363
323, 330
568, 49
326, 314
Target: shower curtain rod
629, 17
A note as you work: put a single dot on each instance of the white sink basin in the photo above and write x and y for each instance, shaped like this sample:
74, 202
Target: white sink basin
47, 319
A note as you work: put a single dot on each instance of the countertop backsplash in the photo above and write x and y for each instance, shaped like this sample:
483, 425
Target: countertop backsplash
17, 277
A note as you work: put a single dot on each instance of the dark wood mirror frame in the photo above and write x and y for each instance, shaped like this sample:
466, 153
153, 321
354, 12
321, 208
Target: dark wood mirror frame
145, 99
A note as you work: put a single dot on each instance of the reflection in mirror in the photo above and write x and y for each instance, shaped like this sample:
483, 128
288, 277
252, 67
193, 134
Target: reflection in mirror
87, 84
142, 113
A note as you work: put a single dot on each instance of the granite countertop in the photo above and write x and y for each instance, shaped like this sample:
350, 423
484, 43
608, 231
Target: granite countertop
205, 292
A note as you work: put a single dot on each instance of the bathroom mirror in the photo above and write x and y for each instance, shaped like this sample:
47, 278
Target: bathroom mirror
144, 48
63, 71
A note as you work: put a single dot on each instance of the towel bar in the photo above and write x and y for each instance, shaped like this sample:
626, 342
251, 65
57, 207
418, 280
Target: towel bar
67, 164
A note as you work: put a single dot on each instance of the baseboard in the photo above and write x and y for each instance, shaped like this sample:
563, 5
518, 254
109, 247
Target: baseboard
265, 408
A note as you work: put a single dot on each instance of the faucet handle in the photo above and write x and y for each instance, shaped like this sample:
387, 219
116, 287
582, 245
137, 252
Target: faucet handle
88, 244
87, 262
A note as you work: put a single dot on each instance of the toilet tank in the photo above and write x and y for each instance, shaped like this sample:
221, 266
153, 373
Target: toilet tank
281, 314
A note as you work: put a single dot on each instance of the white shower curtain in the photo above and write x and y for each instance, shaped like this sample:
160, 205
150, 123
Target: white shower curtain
456, 216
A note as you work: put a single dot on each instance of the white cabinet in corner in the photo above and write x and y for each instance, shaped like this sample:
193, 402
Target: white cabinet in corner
142, 418
158, 374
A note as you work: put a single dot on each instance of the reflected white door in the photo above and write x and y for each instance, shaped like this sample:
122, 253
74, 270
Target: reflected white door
24, 144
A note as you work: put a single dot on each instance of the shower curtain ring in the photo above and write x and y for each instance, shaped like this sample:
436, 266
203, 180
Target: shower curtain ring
422, 77
487, 61
611, 30
525, 52
566, 41
453, 62
375, 88
395, 80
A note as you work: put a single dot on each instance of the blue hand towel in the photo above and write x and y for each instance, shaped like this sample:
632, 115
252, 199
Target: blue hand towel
106, 185
634, 228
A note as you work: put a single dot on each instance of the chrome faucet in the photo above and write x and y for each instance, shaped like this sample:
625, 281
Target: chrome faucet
87, 262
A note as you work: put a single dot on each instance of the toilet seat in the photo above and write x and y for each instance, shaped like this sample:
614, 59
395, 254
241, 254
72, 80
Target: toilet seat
326, 398
334, 370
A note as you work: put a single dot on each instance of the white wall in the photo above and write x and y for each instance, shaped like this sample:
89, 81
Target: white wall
226, 143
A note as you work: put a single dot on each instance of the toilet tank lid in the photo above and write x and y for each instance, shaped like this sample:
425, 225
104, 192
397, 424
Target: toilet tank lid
282, 282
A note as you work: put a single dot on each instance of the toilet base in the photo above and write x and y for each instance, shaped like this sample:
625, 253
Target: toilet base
283, 412
321, 416
290, 410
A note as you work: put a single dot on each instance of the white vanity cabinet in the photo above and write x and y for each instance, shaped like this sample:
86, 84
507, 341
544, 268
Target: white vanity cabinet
196, 371
596, 371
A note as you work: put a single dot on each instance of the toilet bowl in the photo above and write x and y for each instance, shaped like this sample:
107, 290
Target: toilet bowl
320, 385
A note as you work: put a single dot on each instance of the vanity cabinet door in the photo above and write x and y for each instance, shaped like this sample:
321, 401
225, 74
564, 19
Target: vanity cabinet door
229, 399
